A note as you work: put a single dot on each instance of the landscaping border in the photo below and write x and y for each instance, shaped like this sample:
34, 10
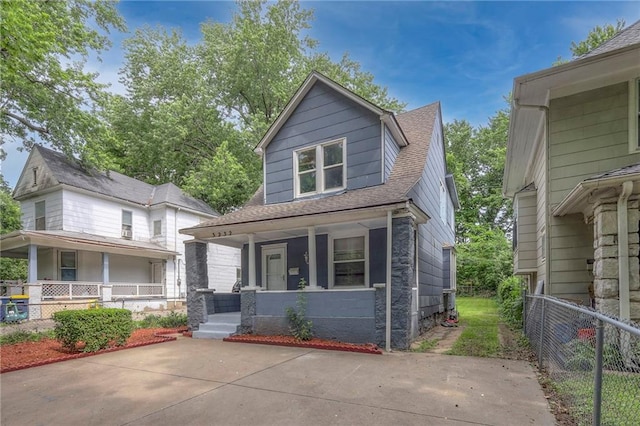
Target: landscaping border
290, 341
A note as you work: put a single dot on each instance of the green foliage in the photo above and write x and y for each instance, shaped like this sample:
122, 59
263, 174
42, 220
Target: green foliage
485, 260
510, 301
173, 320
97, 328
300, 327
197, 110
10, 220
597, 36
479, 316
426, 345
22, 336
46, 94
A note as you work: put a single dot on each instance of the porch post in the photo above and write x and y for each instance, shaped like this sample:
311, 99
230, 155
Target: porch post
105, 268
32, 273
252, 261
313, 270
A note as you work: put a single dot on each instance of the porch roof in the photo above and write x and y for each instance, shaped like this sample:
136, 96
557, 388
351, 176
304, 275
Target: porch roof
15, 244
603, 185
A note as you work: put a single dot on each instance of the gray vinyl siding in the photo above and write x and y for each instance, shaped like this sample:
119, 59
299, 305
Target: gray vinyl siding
296, 247
589, 134
391, 150
324, 115
435, 234
526, 253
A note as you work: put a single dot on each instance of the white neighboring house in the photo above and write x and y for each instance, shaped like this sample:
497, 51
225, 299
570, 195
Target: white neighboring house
107, 230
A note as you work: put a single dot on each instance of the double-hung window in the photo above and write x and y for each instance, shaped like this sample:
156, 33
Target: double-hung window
127, 224
41, 216
349, 261
320, 168
68, 266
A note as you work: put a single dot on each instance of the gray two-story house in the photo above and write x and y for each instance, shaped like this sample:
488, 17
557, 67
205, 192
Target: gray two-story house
356, 203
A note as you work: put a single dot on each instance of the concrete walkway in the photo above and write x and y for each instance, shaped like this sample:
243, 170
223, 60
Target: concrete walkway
207, 382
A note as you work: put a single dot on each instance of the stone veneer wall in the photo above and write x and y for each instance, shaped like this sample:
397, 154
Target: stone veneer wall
197, 278
402, 278
605, 269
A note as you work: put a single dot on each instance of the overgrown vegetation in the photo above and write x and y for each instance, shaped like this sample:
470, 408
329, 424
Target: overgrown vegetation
97, 328
300, 327
426, 345
173, 320
22, 336
510, 301
480, 318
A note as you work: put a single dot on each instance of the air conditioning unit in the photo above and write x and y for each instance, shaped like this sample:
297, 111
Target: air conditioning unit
126, 233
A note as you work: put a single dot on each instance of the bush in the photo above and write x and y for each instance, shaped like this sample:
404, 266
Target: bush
22, 336
173, 320
97, 328
510, 301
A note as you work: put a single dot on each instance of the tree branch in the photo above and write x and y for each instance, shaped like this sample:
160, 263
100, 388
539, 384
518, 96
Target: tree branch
26, 122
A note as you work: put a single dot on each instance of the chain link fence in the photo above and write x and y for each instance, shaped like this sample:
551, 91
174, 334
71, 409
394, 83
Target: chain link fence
592, 359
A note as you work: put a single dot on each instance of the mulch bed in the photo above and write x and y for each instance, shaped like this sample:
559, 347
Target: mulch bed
314, 343
47, 351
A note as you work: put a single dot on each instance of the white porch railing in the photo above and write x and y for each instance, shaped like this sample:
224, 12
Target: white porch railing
70, 289
137, 290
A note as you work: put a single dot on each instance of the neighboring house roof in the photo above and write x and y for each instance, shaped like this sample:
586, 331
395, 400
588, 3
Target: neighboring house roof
17, 241
113, 184
417, 125
386, 116
612, 62
626, 37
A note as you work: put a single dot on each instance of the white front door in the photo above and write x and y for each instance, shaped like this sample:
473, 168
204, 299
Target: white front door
274, 267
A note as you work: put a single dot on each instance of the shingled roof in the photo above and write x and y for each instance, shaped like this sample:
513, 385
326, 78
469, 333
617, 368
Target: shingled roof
417, 125
626, 37
113, 184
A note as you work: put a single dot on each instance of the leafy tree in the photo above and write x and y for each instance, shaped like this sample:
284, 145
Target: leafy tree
595, 38
10, 220
46, 95
185, 100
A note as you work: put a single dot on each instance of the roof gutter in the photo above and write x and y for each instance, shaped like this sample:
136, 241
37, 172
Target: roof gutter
584, 188
623, 251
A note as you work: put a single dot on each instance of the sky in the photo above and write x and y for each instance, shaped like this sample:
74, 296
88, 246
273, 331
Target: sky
463, 54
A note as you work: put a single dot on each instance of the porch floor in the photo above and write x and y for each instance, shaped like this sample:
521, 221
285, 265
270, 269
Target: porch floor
218, 326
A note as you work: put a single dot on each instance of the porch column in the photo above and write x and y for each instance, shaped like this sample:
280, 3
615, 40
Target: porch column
313, 269
197, 279
252, 261
32, 273
105, 268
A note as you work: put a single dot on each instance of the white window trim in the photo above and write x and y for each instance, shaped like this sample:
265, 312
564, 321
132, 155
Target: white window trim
320, 169
122, 225
36, 217
75, 252
263, 271
153, 224
543, 244
634, 111
349, 234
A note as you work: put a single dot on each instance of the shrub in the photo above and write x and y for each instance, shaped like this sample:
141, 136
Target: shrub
173, 320
300, 327
97, 328
510, 301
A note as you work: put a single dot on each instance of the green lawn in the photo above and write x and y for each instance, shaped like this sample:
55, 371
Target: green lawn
480, 318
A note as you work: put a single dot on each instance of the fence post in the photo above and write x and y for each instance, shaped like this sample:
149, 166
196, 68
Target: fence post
541, 339
597, 388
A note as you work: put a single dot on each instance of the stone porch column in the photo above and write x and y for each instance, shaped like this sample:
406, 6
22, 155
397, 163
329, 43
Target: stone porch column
605, 271
402, 267
197, 278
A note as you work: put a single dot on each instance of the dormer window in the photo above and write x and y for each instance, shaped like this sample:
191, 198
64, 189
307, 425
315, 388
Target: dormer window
320, 169
127, 224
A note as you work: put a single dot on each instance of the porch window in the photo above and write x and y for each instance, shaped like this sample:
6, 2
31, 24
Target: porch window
349, 262
68, 266
127, 227
41, 216
320, 168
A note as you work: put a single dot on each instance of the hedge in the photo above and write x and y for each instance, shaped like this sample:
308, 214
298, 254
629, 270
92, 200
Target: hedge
97, 328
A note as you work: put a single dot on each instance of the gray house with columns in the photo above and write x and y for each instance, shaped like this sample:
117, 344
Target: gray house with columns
357, 204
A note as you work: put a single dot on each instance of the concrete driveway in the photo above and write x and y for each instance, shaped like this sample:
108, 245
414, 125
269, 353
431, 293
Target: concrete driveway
205, 382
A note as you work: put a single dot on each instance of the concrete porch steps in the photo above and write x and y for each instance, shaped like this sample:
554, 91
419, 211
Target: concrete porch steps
218, 326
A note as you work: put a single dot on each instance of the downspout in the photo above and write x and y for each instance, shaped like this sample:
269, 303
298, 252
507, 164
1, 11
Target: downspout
547, 191
388, 286
623, 251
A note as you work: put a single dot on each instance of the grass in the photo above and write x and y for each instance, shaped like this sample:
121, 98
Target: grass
480, 318
620, 403
426, 345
